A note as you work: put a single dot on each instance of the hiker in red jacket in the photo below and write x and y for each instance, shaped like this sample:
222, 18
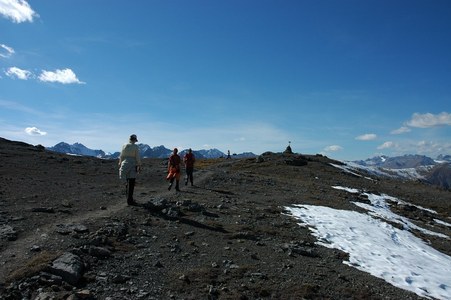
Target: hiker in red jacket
189, 160
174, 170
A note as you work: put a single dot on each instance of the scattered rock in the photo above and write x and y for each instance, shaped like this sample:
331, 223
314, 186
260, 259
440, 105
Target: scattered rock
298, 162
7, 232
171, 247
69, 266
35, 248
157, 204
49, 210
70, 228
120, 279
99, 252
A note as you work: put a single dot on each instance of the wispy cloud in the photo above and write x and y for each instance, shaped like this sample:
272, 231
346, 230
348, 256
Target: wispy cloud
387, 145
109, 132
403, 129
17, 11
6, 51
19, 107
366, 137
333, 148
433, 148
430, 148
429, 120
34, 131
65, 76
15, 72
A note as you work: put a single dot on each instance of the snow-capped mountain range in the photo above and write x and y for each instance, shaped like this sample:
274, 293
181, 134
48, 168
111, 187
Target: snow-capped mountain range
145, 151
411, 167
403, 162
76, 149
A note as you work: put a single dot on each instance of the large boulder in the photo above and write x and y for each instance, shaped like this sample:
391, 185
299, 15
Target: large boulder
69, 266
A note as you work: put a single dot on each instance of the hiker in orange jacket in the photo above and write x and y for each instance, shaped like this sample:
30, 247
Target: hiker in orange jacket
174, 170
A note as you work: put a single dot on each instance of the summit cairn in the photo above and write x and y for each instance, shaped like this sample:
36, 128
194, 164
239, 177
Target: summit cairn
288, 149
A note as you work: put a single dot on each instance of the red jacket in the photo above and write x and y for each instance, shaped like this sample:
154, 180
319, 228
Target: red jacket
189, 160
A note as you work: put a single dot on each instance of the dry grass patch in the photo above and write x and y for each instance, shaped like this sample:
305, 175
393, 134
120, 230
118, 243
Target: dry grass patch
206, 163
35, 265
122, 247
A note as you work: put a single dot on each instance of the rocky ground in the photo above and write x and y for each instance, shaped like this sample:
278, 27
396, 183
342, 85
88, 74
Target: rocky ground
66, 231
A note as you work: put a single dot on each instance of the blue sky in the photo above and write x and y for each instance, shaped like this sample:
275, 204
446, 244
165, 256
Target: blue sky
349, 79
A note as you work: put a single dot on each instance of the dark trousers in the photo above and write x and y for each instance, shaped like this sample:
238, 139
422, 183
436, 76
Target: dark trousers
189, 175
130, 189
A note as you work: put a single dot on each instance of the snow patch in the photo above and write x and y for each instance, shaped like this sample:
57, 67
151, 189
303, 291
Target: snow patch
377, 247
384, 251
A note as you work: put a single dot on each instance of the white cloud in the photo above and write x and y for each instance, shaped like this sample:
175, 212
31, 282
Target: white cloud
6, 51
429, 120
17, 10
386, 145
333, 148
366, 137
432, 148
401, 130
15, 72
66, 76
34, 131
423, 147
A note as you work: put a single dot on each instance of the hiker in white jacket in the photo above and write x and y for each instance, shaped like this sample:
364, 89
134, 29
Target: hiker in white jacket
129, 166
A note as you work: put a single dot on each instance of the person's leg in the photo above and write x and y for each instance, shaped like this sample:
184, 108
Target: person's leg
177, 181
131, 188
170, 183
191, 177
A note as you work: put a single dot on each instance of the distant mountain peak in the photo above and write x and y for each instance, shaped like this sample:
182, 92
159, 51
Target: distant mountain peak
76, 149
398, 162
145, 151
411, 166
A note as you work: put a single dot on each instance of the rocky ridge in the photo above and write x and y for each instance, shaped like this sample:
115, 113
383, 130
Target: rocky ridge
67, 233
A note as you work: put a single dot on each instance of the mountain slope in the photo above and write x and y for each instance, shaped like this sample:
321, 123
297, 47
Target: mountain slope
441, 176
76, 149
411, 167
398, 162
228, 237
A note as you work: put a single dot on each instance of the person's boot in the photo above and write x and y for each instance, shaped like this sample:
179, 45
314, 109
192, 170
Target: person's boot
170, 184
177, 186
131, 188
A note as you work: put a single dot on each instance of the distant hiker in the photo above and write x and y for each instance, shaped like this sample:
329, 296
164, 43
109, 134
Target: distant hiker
174, 169
189, 160
228, 154
129, 166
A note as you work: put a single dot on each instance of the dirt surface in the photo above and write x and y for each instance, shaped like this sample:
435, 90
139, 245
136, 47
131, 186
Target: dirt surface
224, 238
